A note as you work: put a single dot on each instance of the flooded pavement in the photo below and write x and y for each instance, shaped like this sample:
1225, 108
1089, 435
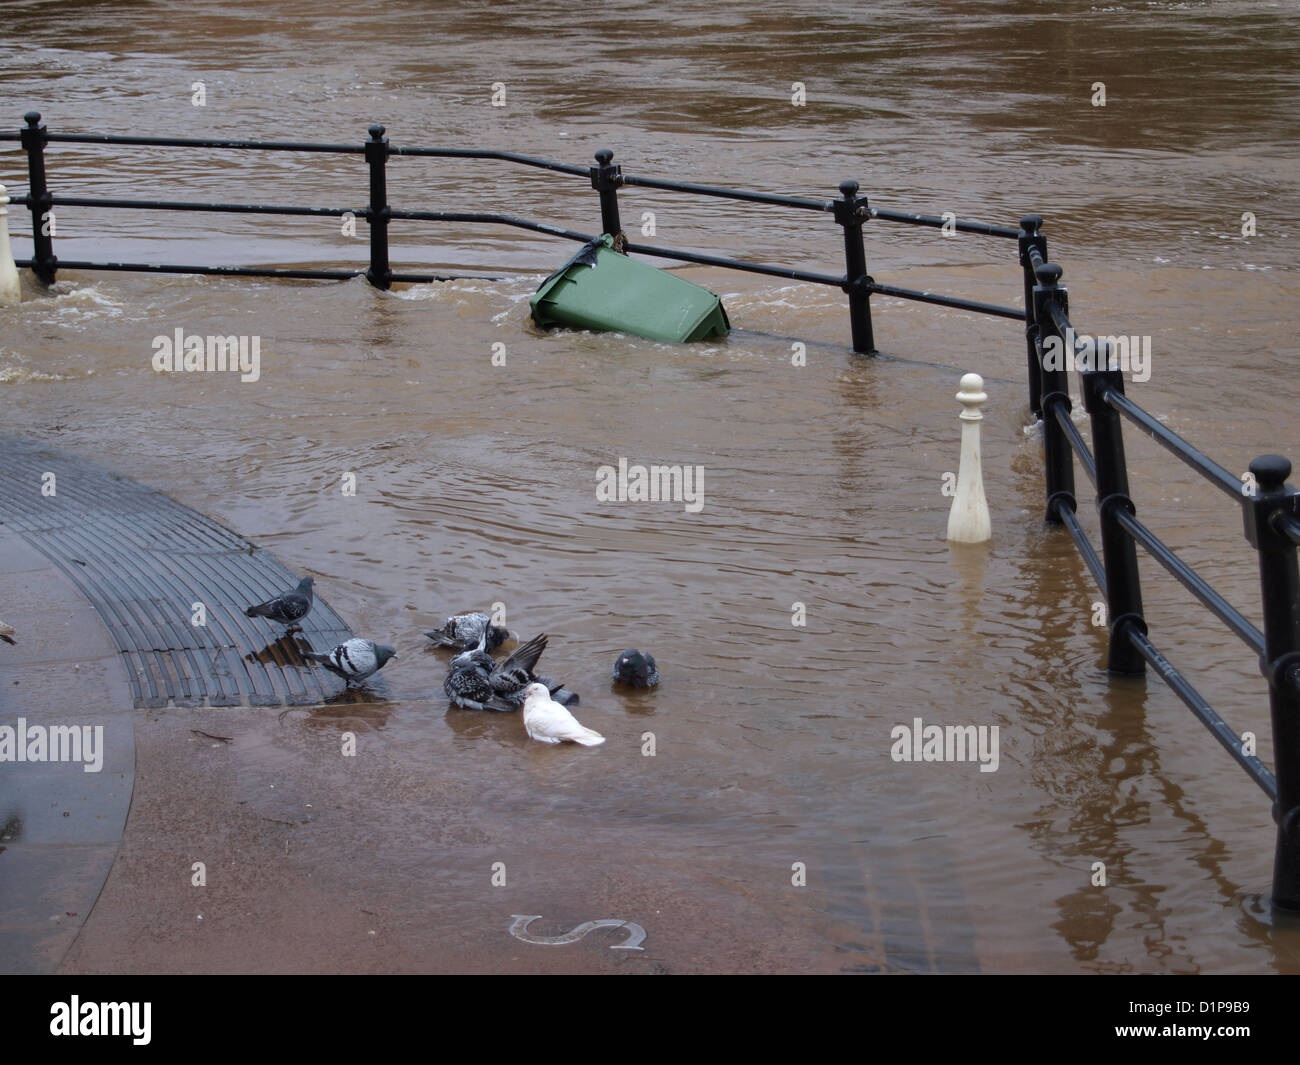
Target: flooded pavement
475, 482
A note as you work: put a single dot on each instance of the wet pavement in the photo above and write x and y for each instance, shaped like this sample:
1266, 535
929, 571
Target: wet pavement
60, 827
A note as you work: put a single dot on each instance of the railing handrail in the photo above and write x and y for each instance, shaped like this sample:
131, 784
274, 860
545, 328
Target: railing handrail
1271, 516
850, 211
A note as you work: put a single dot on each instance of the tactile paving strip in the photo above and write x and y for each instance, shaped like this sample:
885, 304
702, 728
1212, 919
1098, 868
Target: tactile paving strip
142, 560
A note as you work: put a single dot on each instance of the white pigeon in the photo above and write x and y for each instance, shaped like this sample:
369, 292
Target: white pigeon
549, 722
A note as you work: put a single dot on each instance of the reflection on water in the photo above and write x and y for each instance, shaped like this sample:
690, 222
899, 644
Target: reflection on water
475, 482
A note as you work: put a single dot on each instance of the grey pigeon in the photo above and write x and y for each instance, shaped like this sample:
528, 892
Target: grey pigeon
464, 631
288, 609
636, 669
354, 660
477, 682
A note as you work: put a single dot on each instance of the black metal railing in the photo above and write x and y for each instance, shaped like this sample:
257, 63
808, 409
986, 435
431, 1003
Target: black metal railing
1271, 513
851, 211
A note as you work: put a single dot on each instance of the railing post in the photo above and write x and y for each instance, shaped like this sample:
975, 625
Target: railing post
1119, 551
605, 179
1280, 582
851, 210
1058, 459
1031, 238
377, 213
33, 140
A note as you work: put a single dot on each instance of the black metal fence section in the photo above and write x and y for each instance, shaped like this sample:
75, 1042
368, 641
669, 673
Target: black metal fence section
1271, 514
851, 211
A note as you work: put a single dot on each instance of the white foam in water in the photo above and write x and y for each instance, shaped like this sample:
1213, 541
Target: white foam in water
76, 300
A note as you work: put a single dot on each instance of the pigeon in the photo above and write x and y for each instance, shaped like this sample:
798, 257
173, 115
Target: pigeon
548, 722
463, 631
636, 669
354, 660
478, 682
7, 633
476, 655
288, 609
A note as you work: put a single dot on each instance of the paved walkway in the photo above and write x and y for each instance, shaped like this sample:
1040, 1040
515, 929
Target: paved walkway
144, 562
60, 826
99, 579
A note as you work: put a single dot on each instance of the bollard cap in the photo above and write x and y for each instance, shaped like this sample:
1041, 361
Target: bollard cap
972, 396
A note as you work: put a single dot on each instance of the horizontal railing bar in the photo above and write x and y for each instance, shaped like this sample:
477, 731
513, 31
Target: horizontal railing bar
737, 264
947, 301
1059, 319
360, 212
175, 268
1190, 580
1287, 526
508, 157
191, 142
729, 194
1076, 440
983, 228
251, 271
1175, 444
189, 205
1086, 550
1259, 772
424, 279
498, 219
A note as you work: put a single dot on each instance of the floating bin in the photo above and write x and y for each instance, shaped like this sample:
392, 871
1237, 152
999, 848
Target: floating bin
603, 290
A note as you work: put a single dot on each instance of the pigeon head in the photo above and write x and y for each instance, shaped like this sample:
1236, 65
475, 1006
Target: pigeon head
536, 690
382, 653
305, 584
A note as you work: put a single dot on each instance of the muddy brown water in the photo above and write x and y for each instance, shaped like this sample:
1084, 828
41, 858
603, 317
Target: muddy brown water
476, 482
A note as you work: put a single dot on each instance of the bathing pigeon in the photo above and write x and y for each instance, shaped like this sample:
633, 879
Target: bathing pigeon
636, 669
288, 609
463, 631
355, 659
477, 682
548, 722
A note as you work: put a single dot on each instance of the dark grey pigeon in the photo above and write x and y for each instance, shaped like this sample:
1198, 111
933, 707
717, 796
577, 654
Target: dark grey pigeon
288, 609
476, 682
355, 659
636, 669
464, 631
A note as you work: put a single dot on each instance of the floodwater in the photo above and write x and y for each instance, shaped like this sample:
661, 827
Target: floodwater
822, 482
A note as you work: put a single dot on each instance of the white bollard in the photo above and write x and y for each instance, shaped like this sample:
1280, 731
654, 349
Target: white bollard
11, 290
968, 520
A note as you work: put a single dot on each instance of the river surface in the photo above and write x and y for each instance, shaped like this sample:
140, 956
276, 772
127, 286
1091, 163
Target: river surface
475, 481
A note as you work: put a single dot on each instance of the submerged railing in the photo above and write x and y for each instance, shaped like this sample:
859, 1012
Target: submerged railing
1271, 509
1271, 515
850, 210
